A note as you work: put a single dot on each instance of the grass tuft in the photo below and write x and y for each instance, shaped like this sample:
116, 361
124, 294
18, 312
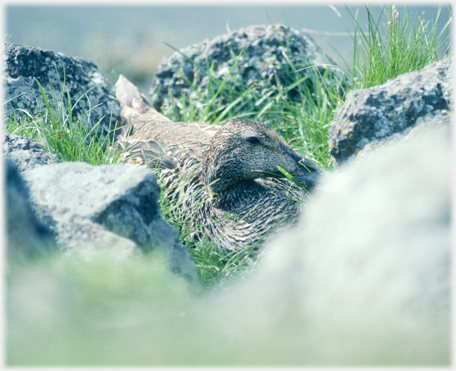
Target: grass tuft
402, 44
62, 135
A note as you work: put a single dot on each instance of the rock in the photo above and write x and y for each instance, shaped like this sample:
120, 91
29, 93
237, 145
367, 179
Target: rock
108, 208
376, 113
26, 153
261, 63
27, 237
366, 277
92, 97
424, 124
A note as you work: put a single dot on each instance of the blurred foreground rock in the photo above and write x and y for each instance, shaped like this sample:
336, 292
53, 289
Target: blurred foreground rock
366, 278
371, 115
60, 76
110, 208
26, 153
262, 63
26, 236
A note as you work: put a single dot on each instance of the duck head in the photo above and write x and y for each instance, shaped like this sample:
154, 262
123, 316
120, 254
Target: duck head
244, 150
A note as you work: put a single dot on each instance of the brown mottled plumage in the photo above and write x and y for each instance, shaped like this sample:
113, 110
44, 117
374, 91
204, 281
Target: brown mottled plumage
247, 196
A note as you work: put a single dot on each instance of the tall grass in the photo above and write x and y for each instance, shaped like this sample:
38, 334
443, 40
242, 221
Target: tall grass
55, 127
395, 45
302, 121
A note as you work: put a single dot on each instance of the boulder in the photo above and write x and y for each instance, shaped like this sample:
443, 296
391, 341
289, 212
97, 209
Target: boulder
371, 115
106, 209
26, 236
265, 52
60, 76
26, 153
365, 279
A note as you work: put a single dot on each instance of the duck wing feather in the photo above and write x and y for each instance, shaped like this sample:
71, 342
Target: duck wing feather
150, 138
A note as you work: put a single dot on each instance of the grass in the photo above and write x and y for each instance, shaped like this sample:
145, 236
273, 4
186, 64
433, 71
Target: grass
393, 44
383, 52
298, 108
60, 133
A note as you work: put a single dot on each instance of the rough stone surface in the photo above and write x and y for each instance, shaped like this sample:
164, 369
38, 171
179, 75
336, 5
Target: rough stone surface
376, 113
27, 237
424, 124
366, 277
26, 153
110, 208
57, 73
260, 64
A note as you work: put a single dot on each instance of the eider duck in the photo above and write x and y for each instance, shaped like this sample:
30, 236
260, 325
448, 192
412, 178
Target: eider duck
232, 179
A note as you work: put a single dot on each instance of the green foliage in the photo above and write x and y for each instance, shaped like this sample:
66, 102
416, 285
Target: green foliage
302, 121
62, 308
54, 126
233, 97
404, 45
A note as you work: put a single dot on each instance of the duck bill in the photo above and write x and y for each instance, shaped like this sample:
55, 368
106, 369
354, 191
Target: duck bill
310, 171
307, 178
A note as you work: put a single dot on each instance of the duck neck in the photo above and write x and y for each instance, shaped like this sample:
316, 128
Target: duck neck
237, 194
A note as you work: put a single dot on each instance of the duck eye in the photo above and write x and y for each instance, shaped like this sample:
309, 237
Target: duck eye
253, 140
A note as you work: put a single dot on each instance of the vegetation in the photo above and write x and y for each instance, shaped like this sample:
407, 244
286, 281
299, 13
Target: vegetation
389, 47
404, 45
302, 121
61, 134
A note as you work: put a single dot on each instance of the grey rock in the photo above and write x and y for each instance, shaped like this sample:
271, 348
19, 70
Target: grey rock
261, 63
26, 153
27, 237
424, 124
376, 113
59, 75
365, 279
109, 209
